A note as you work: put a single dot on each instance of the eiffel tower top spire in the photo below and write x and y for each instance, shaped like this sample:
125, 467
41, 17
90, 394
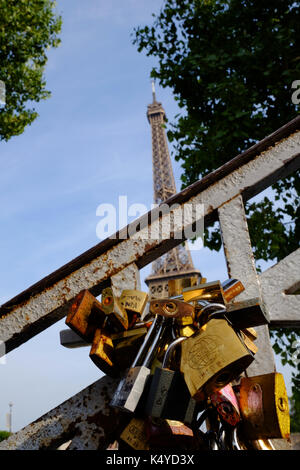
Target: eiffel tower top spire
153, 92
178, 261
163, 178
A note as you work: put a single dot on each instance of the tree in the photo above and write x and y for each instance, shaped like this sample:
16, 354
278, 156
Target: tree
231, 65
28, 28
4, 435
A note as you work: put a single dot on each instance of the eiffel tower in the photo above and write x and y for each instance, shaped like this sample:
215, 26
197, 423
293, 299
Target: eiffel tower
177, 263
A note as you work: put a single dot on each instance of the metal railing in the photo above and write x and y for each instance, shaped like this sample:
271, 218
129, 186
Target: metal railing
86, 419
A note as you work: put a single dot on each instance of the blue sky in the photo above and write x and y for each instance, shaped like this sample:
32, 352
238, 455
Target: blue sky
90, 144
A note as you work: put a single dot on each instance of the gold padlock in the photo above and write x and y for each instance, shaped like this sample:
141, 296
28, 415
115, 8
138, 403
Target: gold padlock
264, 407
214, 291
134, 302
85, 315
231, 288
127, 348
176, 286
135, 434
102, 353
211, 291
248, 342
213, 357
171, 308
112, 308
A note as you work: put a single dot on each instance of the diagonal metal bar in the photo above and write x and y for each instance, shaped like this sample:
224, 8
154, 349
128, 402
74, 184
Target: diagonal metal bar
276, 283
249, 173
86, 419
241, 265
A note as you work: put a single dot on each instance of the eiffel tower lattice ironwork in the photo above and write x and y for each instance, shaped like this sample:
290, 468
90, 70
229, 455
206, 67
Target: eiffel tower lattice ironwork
178, 261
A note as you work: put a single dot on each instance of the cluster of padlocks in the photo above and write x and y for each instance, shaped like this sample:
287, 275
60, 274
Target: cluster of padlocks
182, 364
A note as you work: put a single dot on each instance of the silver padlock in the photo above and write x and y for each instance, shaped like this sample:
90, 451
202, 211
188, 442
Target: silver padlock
131, 387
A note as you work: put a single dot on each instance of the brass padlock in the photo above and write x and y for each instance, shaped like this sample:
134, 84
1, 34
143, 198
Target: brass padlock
171, 308
176, 286
134, 302
185, 326
113, 353
170, 434
127, 349
214, 291
213, 357
102, 353
114, 310
247, 313
211, 291
135, 434
85, 315
264, 406
248, 341
231, 288
250, 333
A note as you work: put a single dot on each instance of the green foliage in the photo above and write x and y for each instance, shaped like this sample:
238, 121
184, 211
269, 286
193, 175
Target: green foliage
4, 435
231, 65
295, 409
28, 28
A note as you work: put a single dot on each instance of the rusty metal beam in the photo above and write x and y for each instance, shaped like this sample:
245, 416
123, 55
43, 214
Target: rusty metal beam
278, 284
249, 173
86, 419
241, 265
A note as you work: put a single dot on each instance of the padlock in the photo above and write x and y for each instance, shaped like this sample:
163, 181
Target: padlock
168, 395
235, 441
231, 288
134, 302
210, 291
185, 326
85, 315
171, 308
131, 387
135, 434
113, 353
248, 342
242, 315
226, 404
102, 353
182, 312
176, 286
251, 333
111, 306
205, 310
214, 291
212, 358
264, 406
247, 313
212, 424
261, 444
139, 329
127, 349
169, 434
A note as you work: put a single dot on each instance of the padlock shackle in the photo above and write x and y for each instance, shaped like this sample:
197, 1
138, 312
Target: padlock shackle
209, 306
170, 349
153, 347
148, 337
235, 443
